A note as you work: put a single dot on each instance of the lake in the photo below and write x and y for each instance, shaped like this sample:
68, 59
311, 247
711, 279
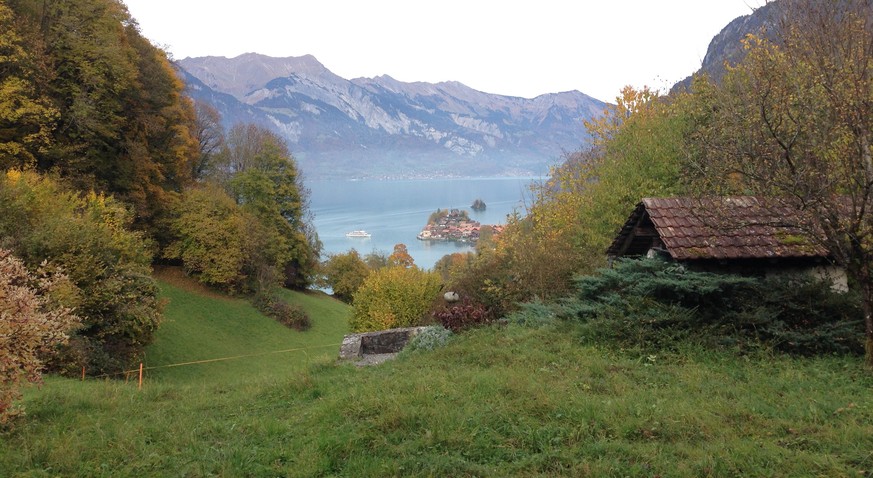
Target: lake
395, 211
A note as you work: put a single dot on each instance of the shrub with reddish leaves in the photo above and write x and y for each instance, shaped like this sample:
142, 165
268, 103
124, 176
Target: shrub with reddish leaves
291, 315
463, 315
32, 325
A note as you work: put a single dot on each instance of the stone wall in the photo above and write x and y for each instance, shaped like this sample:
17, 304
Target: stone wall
383, 344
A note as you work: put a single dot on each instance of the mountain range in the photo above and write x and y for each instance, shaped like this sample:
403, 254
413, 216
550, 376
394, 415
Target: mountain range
385, 128
381, 127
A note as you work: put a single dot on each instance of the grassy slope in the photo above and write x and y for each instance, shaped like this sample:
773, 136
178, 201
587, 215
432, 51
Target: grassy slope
200, 325
495, 402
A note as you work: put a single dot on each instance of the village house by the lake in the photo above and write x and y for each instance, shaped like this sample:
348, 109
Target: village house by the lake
454, 225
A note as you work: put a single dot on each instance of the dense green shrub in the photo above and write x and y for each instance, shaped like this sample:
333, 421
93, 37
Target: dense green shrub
212, 239
654, 303
394, 297
108, 265
804, 316
291, 315
344, 274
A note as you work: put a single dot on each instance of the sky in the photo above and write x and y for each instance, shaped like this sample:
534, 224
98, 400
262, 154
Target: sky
510, 47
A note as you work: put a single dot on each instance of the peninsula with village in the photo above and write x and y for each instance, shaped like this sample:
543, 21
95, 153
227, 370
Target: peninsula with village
456, 225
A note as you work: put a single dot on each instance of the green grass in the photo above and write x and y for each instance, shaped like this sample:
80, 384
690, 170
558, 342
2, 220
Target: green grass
199, 326
501, 401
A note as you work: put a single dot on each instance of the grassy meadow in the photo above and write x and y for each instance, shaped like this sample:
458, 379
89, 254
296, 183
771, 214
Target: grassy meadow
201, 325
499, 401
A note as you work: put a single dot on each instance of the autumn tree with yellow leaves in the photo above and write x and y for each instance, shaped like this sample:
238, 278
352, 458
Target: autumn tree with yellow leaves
635, 152
794, 121
394, 296
87, 96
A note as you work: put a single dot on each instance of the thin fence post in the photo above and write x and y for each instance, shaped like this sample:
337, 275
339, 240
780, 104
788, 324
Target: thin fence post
139, 387
83, 373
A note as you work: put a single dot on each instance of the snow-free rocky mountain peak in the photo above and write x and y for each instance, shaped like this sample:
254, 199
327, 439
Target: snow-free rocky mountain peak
382, 127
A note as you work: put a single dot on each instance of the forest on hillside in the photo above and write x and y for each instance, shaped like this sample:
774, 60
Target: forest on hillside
108, 168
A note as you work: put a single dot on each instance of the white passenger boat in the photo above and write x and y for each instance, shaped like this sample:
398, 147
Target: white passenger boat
358, 234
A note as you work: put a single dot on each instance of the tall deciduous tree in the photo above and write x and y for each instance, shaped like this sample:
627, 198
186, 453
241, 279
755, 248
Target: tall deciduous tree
210, 138
344, 274
123, 125
260, 173
795, 121
400, 257
455, 265
637, 146
638, 158
26, 120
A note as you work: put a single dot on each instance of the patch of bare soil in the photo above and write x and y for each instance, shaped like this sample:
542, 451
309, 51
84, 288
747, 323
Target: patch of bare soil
176, 277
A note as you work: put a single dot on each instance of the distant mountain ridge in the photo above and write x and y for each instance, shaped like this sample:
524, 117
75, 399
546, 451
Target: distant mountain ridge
382, 127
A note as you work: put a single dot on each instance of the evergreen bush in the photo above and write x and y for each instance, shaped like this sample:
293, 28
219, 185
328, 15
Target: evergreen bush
534, 314
657, 304
429, 338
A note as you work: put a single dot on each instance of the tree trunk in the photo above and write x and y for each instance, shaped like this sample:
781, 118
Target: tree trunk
868, 344
867, 299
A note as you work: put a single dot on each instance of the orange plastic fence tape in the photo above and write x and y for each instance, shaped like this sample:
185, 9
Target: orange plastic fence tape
219, 359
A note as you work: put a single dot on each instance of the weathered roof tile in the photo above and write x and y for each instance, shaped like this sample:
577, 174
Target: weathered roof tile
737, 227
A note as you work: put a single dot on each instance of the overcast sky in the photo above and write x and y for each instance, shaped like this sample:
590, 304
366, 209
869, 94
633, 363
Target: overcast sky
509, 47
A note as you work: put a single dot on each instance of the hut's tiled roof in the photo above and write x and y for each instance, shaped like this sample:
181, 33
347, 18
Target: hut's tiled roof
736, 227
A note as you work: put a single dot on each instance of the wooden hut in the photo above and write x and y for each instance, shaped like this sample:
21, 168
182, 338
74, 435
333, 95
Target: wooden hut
736, 234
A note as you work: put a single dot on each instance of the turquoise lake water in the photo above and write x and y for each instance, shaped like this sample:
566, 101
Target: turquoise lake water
394, 212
